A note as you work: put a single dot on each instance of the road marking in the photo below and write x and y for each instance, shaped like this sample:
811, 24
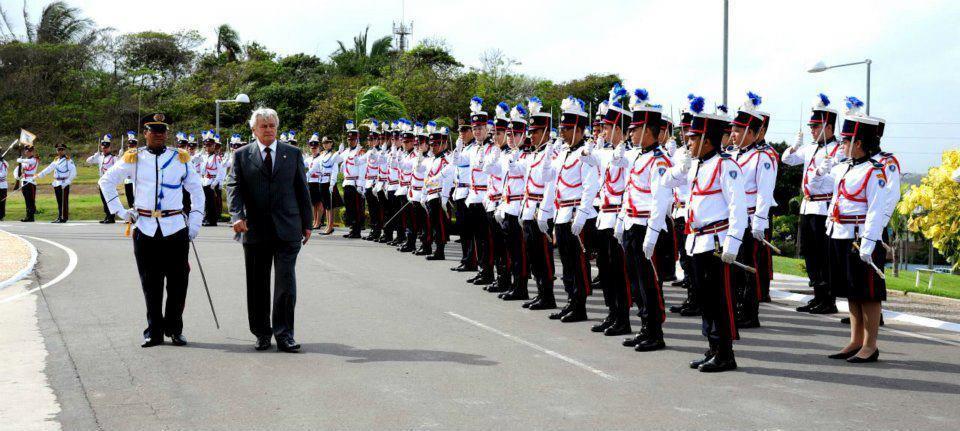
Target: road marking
71, 265
27, 269
533, 346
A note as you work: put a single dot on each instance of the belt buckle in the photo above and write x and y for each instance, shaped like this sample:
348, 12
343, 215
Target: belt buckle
155, 214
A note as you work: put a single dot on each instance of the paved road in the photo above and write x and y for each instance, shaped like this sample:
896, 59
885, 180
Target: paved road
394, 342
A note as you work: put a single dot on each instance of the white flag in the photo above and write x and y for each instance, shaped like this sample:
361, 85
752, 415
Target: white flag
26, 137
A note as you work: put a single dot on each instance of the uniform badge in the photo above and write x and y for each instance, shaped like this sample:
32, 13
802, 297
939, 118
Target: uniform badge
766, 165
662, 171
733, 174
881, 183
893, 168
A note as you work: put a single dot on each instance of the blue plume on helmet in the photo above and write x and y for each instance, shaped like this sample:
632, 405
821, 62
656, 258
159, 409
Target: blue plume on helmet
824, 99
696, 104
641, 94
690, 96
754, 98
723, 108
535, 99
617, 92
521, 109
853, 102
477, 99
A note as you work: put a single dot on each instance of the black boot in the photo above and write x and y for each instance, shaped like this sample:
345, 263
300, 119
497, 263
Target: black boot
438, 254
722, 361
654, 341
563, 312
519, 291
621, 325
544, 303
805, 308
606, 323
578, 313
642, 335
531, 302
710, 353
825, 307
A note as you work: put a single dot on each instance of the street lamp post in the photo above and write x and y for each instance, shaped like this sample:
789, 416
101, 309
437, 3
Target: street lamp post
241, 98
820, 67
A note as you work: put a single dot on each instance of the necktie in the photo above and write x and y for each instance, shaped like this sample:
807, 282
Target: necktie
268, 160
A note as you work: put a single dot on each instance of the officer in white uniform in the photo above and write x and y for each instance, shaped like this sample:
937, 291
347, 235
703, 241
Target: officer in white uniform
104, 159
438, 185
816, 198
515, 163
64, 171
473, 156
213, 173
537, 215
716, 223
28, 180
468, 259
370, 179
354, 165
162, 232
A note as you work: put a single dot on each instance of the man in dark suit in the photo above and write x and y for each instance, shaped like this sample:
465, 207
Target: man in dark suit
270, 207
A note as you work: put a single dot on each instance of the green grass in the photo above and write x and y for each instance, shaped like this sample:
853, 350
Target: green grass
947, 285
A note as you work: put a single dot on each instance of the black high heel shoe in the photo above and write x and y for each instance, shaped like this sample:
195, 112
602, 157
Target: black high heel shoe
845, 355
858, 360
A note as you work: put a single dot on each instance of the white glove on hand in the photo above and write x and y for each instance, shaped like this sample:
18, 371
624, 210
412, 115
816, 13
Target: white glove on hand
758, 234
128, 215
826, 165
648, 246
684, 160
459, 145
544, 224
515, 155
621, 151
671, 146
579, 220
618, 231
866, 250
799, 141
340, 148
193, 230
727, 257
498, 216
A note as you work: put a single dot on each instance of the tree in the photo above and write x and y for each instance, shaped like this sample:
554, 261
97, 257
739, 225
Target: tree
228, 42
59, 24
375, 102
357, 60
931, 208
170, 56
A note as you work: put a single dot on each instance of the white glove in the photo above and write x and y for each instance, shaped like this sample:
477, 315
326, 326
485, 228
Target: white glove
728, 257
826, 165
621, 150
866, 250
544, 225
498, 216
340, 148
588, 148
758, 234
649, 244
618, 231
799, 140
515, 156
361, 190
579, 220
128, 215
684, 161
459, 145
193, 230
600, 142
671, 146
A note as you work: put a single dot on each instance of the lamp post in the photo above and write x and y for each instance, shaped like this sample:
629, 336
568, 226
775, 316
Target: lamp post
241, 98
820, 67
726, 34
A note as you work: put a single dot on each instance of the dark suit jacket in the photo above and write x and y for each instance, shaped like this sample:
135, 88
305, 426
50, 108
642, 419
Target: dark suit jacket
263, 198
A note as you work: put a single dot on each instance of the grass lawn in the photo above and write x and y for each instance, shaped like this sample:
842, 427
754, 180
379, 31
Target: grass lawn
947, 285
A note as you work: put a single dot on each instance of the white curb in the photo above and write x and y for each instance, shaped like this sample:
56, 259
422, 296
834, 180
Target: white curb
26, 270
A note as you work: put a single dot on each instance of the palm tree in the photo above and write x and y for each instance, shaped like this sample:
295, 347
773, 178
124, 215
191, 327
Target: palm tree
358, 60
228, 41
59, 23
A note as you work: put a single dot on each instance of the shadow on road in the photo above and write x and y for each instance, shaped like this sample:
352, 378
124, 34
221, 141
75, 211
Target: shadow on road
360, 356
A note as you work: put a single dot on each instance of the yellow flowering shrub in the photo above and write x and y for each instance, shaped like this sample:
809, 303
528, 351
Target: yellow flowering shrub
933, 208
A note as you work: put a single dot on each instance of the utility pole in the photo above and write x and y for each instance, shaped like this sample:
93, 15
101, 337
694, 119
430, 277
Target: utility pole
726, 38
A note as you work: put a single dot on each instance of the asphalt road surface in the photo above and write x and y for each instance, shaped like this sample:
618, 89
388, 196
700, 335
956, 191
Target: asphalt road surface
391, 341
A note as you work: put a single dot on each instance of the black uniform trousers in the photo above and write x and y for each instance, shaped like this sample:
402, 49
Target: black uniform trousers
386, 209
646, 290
163, 259
3, 203
745, 283
210, 214
614, 281
353, 212
186, 202
516, 246
402, 222
469, 257
128, 193
712, 280
498, 245
259, 257
813, 246
375, 209
680, 239
482, 237
62, 193
411, 227
439, 222
424, 228
540, 254
576, 267
29, 191
666, 251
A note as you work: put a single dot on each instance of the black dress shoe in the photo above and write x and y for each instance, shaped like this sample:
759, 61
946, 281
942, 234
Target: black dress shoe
531, 302
691, 311
407, 249
844, 355
543, 305
463, 268
808, 306
858, 360
151, 341
423, 252
677, 308
522, 295
436, 256
27, 220
716, 365
574, 316
559, 315
825, 308
263, 343
632, 341
650, 344
288, 345
483, 280
616, 330
696, 363
676, 283
178, 340
497, 287
602, 326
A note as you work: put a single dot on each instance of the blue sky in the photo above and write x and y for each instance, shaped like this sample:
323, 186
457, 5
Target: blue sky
914, 47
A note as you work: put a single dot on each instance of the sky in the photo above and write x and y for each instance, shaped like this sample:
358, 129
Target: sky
671, 48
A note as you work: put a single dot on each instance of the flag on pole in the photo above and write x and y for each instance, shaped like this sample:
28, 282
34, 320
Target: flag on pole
27, 138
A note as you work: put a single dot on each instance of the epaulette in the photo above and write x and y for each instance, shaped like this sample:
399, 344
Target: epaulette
183, 155
130, 156
876, 164
725, 155
657, 152
885, 154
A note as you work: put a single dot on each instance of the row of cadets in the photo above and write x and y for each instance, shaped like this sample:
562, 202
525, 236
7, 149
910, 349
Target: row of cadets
494, 169
212, 174
370, 176
104, 159
716, 221
612, 143
643, 216
187, 143
354, 164
865, 189
325, 167
690, 306
313, 179
466, 144
576, 187
438, 186
391, 182
405, 161
758, 163
537, 217
816, 199
514, 161
479, 230
415, 193
64, 171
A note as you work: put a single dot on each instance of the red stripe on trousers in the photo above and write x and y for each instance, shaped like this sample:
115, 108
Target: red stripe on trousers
656, 284
756, 276
548, 259
626, 278
523, 254
583, 271
726, 292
